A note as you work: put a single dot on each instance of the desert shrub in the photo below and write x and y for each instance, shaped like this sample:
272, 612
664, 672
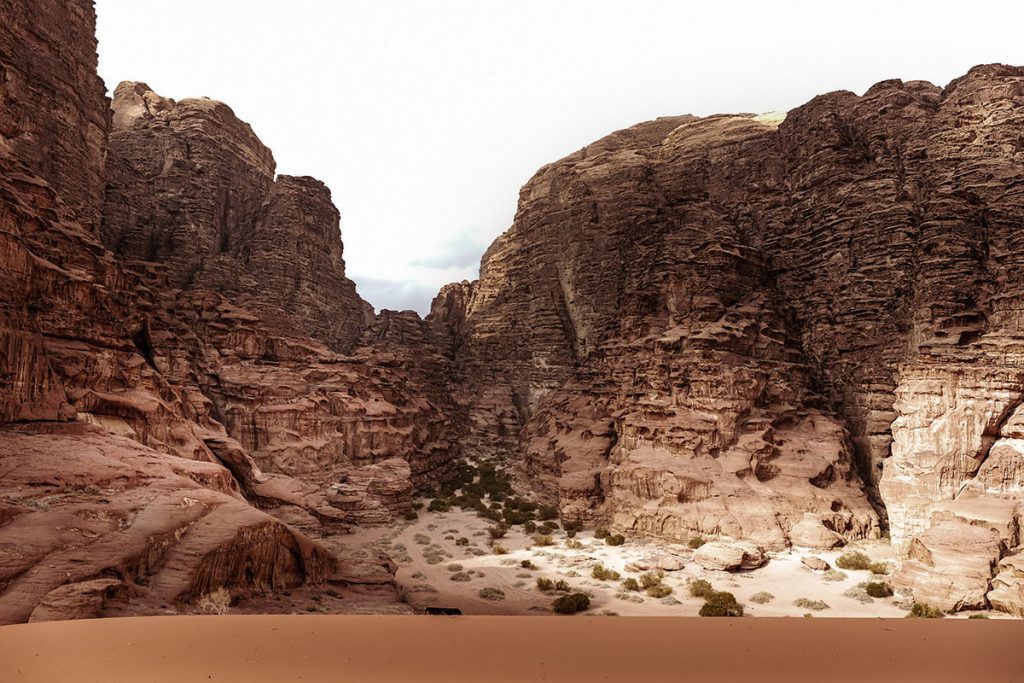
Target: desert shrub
572, 527
455, 567
600, 532
816, 605
978, 616
700, 588
573, 544
546, 512
491, 593
919, 610
880, 568
542, 540
721, 604
571, 534
878, 589
571, 604
630, 584
853, 560
659, 591
499, 549
602, 573
562, 586
215, 602
410, 516
513, 516
462, 541
497, 531
615, 539
545, 584
460, 576
762, 597
696, 542
439, 505
421, 539
548, 527
527, 564
492, 515
648, 579
529, 528
834, 575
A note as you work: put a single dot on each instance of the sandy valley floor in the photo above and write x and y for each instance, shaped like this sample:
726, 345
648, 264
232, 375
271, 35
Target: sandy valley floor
429, 556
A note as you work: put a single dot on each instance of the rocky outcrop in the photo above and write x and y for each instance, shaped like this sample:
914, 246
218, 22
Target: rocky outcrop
727, 325
158, 527
191, 187
119, 480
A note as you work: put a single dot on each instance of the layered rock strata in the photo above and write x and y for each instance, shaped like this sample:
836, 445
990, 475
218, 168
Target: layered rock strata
728, 325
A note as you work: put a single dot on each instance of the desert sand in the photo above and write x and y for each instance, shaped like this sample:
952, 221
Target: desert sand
390, 648
428, 555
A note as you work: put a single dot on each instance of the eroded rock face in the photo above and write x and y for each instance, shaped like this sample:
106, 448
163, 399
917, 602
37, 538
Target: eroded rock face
191, 187
118, 375
727, 325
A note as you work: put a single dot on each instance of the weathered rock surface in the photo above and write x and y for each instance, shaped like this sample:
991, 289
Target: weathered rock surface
783, 333
730, 556
147, 407
727, 325
815, 563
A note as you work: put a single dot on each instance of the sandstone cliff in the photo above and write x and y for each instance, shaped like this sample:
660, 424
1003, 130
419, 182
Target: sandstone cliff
174, 417
794, 332
737, 326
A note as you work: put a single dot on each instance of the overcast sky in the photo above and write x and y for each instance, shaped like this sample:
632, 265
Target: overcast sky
425, 118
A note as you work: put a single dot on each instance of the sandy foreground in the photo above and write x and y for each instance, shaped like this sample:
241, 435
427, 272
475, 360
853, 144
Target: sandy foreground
426, 583
419, 648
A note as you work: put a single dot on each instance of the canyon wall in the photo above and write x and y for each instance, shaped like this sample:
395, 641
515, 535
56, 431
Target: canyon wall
175, 416
797, 331
800, 330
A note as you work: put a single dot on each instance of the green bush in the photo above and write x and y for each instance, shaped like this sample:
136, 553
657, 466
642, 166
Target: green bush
696, 542
978, 616
816, 605
562, 586
439, 505
630, 584
854, 560
546, 512
491, 593
878, 589
571, 604
615, 539
529, 528
721, 604
602, 573
648, 579
572, 527
573, 544
542, 540
659, 591
600, 532
762, 597
700, 588
880, 568
919, 610
545, 584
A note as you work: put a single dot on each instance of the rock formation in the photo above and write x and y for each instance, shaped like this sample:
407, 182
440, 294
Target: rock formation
791, 331
774, 332
159, 400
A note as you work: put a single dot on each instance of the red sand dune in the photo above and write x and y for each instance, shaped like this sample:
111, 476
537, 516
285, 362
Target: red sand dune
370, 649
